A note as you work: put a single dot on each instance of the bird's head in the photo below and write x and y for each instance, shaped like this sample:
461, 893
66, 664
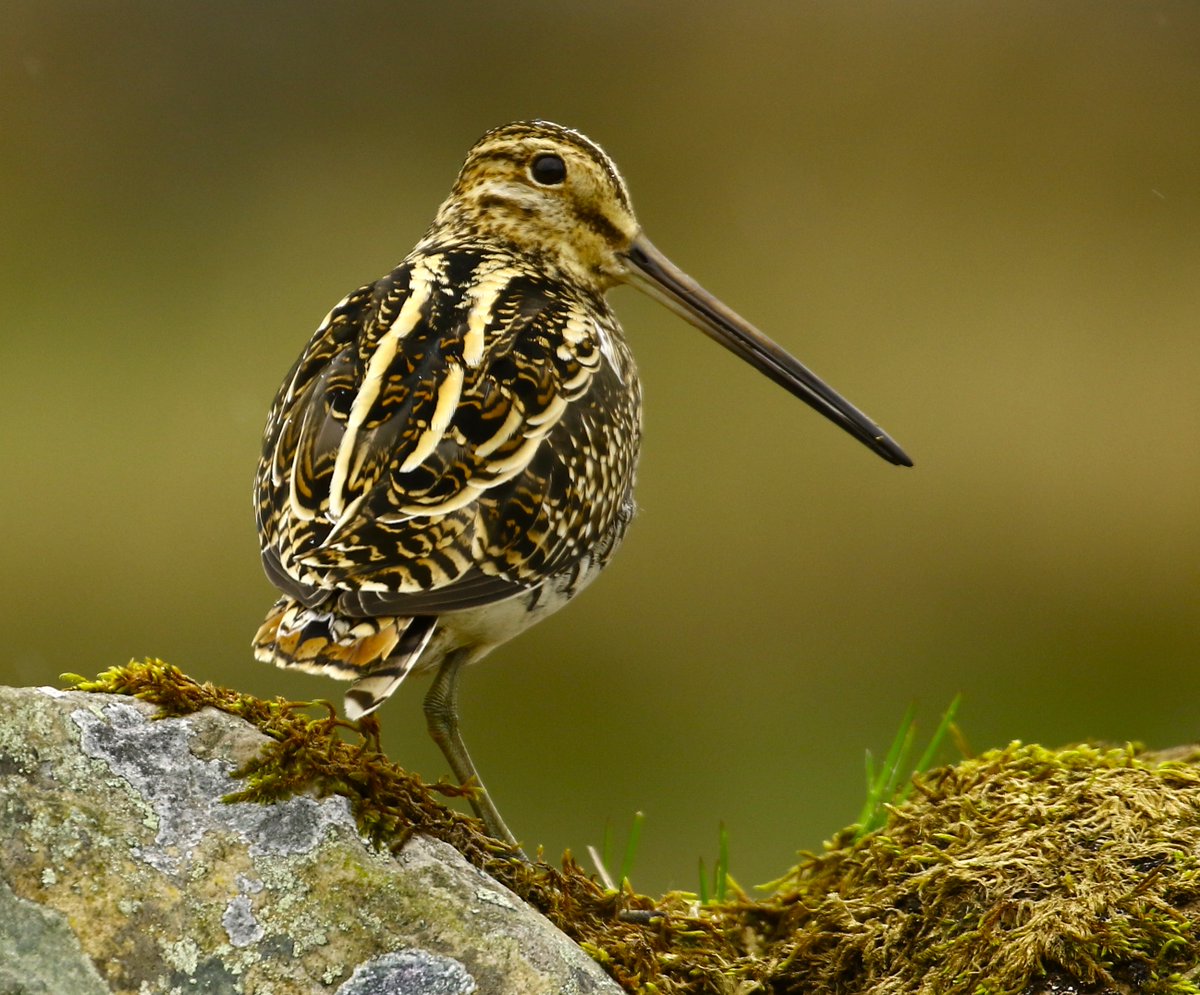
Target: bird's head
549, 193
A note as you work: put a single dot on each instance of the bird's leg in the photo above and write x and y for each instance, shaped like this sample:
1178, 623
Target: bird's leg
441, 714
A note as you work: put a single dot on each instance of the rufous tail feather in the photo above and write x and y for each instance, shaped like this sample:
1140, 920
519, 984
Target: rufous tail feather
376, 653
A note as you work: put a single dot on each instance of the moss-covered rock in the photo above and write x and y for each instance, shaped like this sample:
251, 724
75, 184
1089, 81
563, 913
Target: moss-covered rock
135, 849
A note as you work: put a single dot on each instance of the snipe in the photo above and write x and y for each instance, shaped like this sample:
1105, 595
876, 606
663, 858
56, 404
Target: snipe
452, 456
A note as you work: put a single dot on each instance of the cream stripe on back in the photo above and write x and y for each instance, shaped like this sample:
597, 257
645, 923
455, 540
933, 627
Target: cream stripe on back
420, 285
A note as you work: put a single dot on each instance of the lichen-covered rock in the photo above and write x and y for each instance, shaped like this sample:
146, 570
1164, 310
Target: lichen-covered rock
122, 869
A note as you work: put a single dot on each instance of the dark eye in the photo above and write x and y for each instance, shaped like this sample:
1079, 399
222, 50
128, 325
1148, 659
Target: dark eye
548, 170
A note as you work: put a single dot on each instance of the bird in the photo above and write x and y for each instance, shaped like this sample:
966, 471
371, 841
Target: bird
452, 456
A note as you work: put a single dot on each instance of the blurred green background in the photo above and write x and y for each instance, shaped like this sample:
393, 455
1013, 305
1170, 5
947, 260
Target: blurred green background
980, 221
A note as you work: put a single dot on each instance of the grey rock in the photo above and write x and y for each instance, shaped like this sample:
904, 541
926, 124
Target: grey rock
123, 870
27, 932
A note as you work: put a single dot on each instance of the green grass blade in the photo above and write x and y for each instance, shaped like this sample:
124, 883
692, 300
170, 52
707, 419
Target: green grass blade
935, 743
892, 782
897, 765
901, 745
878, 780
869, 802
717, 889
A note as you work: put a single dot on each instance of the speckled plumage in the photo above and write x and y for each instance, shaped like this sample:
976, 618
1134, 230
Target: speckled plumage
453, 454
460, 433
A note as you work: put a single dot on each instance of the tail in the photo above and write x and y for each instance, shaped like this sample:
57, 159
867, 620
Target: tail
376, 653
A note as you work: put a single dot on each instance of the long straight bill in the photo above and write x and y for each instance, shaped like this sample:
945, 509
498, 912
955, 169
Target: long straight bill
656, 275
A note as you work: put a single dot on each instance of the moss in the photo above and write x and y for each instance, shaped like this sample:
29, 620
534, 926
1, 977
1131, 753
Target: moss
1020, 868
1025, 861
